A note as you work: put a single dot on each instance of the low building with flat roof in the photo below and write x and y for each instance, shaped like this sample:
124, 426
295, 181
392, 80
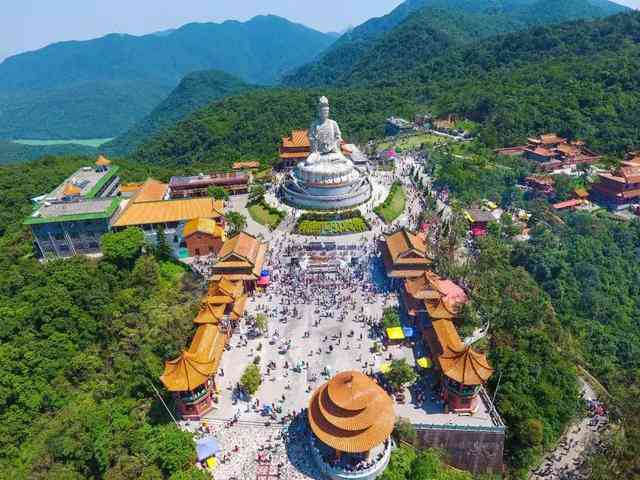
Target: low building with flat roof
71, 219
235, 183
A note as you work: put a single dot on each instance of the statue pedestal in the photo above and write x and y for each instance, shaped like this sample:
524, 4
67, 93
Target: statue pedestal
325, 185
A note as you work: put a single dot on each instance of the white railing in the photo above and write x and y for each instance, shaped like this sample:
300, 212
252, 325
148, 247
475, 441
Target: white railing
342, 473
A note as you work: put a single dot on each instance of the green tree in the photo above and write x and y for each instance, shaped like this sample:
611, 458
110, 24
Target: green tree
170, 448
400, 463
251, 379
261, 322
237, 222
218, 193
256, 193
429, 465
145, 272
404, 431
400, 374
163, 248
123, 248
391, 318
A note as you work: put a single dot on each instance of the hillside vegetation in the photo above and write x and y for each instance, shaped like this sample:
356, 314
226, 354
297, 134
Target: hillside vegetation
194, 91
251, 126
100, 87
578, 79
353, 57
82, 342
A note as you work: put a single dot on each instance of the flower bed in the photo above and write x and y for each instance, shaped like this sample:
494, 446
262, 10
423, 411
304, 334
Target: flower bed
329, 224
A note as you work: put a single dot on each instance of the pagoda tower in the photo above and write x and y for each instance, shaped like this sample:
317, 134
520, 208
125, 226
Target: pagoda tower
351, 418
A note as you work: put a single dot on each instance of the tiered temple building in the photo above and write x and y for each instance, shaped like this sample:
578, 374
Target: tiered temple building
351, 418
620, 188
152, 209
294, 149
434, 305
191, 376
405, 255
553, 152
241, 258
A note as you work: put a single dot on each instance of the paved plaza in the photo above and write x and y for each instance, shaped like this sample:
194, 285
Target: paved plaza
324, 304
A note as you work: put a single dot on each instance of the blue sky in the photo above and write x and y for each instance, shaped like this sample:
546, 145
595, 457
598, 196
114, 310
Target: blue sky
31, 24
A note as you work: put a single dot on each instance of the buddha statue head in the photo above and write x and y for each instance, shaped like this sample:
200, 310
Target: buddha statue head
323, 108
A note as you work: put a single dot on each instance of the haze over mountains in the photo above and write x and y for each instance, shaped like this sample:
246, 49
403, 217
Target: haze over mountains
105, 87
117, 79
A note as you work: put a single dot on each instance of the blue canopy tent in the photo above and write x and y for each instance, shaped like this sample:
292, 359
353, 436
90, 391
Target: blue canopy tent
408, 332
207, 447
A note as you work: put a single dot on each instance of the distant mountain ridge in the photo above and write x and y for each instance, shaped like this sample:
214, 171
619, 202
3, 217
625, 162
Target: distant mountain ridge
257, 51
336, 66
194, 91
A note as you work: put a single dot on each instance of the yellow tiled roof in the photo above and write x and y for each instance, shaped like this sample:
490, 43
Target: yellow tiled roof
151, 191
169, 211
203, 225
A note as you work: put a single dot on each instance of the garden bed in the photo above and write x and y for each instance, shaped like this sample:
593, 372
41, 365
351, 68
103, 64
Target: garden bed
330, 224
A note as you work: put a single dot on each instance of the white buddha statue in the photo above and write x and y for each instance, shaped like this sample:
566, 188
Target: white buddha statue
325, 137
326, 180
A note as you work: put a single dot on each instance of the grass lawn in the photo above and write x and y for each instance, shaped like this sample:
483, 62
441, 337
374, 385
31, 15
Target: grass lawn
393, 206
263, 216
412, 142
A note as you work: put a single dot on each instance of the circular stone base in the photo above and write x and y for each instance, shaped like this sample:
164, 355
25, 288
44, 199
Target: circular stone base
326, 197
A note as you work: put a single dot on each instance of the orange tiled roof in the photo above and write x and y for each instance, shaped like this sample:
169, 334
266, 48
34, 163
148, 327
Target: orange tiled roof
243, 165
289, 155
404, 244
543, 152
203, 225
70, 190
169, 211
440, 310
196, 365
298, 138
130, 187
151, 191
465, 366
575, 202
241, 258
551, 139
447, 335
186, 373
103, 161
351, 413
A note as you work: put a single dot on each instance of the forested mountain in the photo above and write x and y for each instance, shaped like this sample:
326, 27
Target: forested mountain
11, 152
379, 37
578, 78
194, 91
97, 109
99, 88
250, 126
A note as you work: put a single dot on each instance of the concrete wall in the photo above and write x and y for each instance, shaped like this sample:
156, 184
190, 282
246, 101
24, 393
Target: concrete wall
476, 451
